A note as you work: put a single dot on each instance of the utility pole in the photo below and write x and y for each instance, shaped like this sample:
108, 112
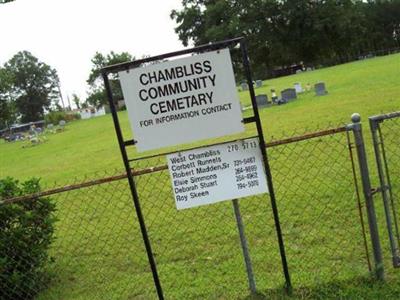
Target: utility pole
61, 96
69, 103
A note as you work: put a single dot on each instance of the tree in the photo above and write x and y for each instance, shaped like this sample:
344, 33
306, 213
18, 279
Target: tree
33, 86
280, 33
97, 95
201, 22
76, 100
7, 109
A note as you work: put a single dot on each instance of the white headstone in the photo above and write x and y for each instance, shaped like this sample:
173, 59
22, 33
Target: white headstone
298, 88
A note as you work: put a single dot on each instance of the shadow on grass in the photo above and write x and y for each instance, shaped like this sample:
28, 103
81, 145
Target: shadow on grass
356, 288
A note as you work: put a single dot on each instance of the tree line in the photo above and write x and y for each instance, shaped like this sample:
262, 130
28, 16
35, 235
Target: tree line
279, 34
283, 33
30, 88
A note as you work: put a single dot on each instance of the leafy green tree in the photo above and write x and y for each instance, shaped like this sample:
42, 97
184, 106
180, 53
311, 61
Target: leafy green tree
33, 86
282, 33
7, 108
201, 22
97, 95
76, 100
384, 23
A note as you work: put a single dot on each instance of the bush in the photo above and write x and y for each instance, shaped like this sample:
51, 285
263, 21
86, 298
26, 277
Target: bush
54, 117
26, 230
72, 117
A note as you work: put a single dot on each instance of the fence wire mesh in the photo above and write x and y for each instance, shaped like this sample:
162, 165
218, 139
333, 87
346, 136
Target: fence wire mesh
319, 211
98, 252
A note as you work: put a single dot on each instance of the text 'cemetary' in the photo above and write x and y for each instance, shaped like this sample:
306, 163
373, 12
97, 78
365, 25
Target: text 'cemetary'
183, 100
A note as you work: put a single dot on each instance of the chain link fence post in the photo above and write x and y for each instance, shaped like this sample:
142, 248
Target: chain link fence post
385, 187
368, 194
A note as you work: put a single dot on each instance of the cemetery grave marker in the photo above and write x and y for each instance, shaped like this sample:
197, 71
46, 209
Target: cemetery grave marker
320, 89
298, 88
288, 95
262, 100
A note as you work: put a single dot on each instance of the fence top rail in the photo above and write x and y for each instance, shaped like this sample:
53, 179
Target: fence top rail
306, 136
80, 185
382, 117
155, 169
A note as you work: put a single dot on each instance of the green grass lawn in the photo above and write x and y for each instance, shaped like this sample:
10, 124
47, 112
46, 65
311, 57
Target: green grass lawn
368, 87
98, 249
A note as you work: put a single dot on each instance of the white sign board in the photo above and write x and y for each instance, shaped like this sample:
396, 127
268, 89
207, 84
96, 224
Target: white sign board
217, 173
182, 100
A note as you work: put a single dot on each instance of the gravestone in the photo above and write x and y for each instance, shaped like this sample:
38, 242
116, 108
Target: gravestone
244, 86
61, 123
258, 83
309, 69
320, 89
298, 88
288, 95
299, 71
262, 100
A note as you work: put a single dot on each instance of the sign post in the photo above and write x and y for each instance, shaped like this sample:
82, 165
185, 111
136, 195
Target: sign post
190, 99
245, 248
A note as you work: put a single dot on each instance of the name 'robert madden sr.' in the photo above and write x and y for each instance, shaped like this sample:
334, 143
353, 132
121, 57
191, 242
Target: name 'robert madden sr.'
203, 80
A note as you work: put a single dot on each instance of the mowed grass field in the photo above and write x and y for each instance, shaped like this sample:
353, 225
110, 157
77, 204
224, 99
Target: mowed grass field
98, 252
368, 87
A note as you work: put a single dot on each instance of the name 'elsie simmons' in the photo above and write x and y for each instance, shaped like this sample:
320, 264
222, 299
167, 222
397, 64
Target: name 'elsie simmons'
200, 79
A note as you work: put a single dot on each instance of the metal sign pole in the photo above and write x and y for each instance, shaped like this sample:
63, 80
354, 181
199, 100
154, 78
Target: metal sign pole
132, 186
245, 248
247, 71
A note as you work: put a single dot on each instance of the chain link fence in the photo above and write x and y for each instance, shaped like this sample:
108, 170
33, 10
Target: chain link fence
98, 252
321, 214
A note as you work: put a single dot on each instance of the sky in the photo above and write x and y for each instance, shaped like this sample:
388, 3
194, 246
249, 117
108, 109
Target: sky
66, 34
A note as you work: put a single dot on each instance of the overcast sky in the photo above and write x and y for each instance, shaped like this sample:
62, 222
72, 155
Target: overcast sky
66, 33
